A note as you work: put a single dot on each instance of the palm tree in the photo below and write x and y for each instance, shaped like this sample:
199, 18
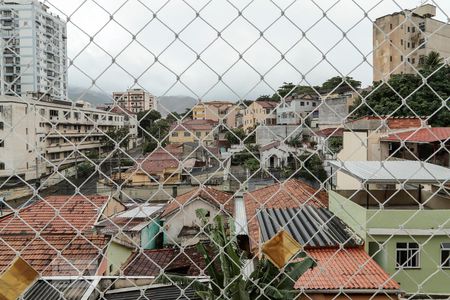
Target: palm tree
225, 270
432, 61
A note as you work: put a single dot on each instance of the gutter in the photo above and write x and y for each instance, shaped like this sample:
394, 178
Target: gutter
352, 291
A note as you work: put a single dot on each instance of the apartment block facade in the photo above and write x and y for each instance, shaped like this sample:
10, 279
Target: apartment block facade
259, 113
36, 136
216, 111
33, 54
135, 100
402, 39
294, 109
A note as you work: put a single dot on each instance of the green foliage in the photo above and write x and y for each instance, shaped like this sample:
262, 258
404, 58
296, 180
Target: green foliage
335, 143
147, 119
234, 136
120, 136
85, 169
225, 264
420, 99
248, 153
252, 164
340, 85
149, 146
312, 169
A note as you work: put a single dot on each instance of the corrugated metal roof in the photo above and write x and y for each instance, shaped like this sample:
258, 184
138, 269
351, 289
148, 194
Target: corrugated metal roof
57, 290
393, 171
153, 293
310, 226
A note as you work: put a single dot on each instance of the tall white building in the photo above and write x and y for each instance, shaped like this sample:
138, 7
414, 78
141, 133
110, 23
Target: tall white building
33, 54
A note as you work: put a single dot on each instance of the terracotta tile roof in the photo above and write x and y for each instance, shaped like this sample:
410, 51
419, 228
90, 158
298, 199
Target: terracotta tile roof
423, 135
160, 159
330, 132
55, 215
193, 125
292, 194
121, 111
270, 146
396, 122
267, 104
80, 255
211, 195
340, 268
171, 260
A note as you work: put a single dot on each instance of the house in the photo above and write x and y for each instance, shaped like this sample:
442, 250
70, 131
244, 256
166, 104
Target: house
268, 134
361, 141
57, 237
259, 112
428, 144
406, 230
343, 268
218, 111
138, 226
328, 141
197, 131
163, 165
180, 221
296, 108
276, 155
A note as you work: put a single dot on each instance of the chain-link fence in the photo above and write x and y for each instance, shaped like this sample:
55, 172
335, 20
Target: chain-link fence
224, 149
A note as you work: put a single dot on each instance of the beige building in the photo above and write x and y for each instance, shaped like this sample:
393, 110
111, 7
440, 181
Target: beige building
193, 131
402, 39
135, 100
216, 111
361, 142
36, 136
260, 112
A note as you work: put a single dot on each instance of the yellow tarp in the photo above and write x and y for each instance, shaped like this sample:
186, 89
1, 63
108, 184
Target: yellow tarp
16, 279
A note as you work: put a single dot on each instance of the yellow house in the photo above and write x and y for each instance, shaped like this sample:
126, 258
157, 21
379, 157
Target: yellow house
260, 112
216, 111
191, 131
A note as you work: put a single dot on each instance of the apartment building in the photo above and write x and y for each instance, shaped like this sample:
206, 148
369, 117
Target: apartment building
33, 52
406, 231
135, 100
216, 111
295, 108
259, 112
402, 39
194, 131
36, 136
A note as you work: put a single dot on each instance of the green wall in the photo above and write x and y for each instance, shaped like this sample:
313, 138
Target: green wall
428, 279
117, 254
149, 235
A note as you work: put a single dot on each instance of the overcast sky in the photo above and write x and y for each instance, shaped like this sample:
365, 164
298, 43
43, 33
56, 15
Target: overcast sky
220, 55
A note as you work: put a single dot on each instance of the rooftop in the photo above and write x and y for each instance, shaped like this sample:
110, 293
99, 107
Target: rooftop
55, 215
393, 171
348, 269
310, 226
292, 193
193, 125
211, 195
422, 135
171, 260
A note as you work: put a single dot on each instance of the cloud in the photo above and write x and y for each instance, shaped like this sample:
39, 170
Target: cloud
220, 53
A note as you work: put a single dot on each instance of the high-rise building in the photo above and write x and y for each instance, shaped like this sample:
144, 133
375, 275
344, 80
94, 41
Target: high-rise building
33, 54
402, 39
135, 100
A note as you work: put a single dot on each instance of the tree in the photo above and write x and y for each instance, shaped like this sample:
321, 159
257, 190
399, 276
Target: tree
312, 169
234, 136
407, 95
225, 269
340, 85
252, 164
147, 119
431, 62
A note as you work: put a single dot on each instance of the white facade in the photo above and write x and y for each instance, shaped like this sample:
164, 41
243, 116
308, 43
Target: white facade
291, 112
33, 55
136, 100
36, 136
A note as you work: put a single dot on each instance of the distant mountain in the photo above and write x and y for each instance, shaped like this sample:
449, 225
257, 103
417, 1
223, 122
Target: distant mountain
177, 104
92, 96
167, 104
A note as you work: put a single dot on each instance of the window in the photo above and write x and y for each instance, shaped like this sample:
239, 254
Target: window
401, 42
390, 26
409, 29
2, 126
413, 45
174, 134
390, 58
445, 255
2, 144
409, 44
2, 166
198, 134
314, 104
302, 103
186, 134
408, 255
401, 58
413, 29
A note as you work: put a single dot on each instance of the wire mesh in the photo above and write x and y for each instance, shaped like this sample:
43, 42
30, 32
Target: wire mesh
225, 149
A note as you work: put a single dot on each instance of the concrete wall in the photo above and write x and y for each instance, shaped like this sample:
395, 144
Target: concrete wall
268, 134
332, 112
